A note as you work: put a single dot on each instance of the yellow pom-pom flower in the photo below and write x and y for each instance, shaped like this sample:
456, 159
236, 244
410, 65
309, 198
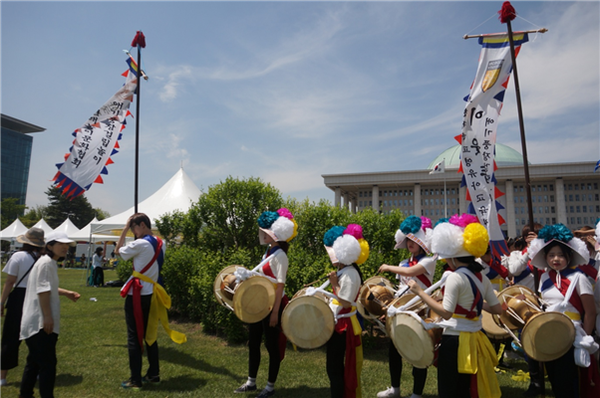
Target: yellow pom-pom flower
295, 231
476, 239
364, 251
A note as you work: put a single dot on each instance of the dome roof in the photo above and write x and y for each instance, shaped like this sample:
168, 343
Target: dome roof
505, 156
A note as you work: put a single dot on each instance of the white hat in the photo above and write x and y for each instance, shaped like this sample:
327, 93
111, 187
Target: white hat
346, 245
279, 225
563, 235
416, 229
461, 236
59, 236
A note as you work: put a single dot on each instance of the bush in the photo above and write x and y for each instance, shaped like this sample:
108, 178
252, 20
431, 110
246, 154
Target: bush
124, 270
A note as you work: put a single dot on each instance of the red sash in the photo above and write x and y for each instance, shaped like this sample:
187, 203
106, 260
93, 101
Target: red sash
499, 268
470, 314
575, 300
589, 380
589, 270
282, 343
352, 341
137, 297
424, 280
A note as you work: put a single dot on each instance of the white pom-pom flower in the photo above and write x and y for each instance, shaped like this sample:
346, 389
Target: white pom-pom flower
283, 228
447, 241
347, 249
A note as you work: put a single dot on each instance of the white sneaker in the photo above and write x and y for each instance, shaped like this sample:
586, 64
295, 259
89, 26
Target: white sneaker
3, 382
389, 393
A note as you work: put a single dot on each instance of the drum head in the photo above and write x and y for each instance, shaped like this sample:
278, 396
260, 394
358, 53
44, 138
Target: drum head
509, 294
307, 322
411, 340
491, 329
365, 304
548, 336
217, 285
253, 299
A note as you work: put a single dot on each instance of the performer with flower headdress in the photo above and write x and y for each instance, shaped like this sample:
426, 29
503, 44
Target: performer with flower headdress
420, 267
347, 249
276, 229
465, 350
567, 290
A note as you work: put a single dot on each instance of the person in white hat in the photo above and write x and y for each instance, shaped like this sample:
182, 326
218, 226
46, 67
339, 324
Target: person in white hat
13, 294
465, 351
420, 267
558, 252
347, 249
40, 324
276, 229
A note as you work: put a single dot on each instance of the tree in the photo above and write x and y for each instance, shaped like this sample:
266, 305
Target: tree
10, 210
101, 214
33, 215
79, 210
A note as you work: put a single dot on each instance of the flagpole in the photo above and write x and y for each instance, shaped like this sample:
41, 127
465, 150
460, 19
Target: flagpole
139, 41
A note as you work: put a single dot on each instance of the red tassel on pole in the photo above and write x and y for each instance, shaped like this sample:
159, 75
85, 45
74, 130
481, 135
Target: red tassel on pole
507, 13
141, 39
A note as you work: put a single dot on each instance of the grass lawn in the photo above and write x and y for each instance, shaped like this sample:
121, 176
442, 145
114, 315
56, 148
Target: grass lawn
92, 358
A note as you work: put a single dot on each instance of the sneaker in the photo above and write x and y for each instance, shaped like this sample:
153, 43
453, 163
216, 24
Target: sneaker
266, 393
130, 385
389, 393
151, 379
245, 388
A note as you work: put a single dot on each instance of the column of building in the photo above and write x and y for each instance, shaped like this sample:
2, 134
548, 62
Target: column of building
417, 196
561, 206
509, 191
375, 198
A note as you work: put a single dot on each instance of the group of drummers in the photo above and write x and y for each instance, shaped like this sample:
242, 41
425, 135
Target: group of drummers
448, 323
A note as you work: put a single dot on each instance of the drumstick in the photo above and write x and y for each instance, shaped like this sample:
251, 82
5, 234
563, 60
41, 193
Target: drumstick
427, 291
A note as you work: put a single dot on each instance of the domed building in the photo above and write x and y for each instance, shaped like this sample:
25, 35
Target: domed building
561, 192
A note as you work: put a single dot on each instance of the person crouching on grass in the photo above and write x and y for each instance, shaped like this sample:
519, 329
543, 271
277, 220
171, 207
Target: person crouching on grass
40, 324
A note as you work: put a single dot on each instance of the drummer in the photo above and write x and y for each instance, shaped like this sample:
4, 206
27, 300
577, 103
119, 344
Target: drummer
494, 270
347, 249
420, 267
557, 251
467, 292
276, 229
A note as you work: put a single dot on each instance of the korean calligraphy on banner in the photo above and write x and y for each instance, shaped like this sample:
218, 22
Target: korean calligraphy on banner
97, 140
480, 121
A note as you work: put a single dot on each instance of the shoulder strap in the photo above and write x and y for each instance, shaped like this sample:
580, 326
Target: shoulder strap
30, 268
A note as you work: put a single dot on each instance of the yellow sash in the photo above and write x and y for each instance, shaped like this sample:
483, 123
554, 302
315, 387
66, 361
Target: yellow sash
159, 305
477, 356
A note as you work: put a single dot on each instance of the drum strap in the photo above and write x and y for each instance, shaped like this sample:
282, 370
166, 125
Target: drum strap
565, 282
478, 299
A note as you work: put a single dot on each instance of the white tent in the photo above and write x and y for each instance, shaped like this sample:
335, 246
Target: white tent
68, 227
177, 194
84, 235
13, 230
42, 224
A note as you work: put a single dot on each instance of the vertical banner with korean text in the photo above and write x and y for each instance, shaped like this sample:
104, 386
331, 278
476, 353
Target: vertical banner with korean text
96, 141
478, 138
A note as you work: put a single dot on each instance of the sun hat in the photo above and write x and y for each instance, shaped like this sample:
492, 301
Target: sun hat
60, 237
279, 225
416, 229
563, 235
34, 237
461, 236
346, 245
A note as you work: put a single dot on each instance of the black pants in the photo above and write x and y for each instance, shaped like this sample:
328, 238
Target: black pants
564, 375
451, 384
98, 276
419, 375
272, 335
41, 361
336, 355
12, 328
133, 345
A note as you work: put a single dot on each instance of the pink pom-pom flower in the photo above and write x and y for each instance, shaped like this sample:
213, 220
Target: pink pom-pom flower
283, 212
425, 223
354, 230
463, 220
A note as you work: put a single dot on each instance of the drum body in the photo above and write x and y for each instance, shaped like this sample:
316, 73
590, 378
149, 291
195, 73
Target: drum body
414, 343
548, 336
307, 321
495, 333
251, 300
522, 301
375, 294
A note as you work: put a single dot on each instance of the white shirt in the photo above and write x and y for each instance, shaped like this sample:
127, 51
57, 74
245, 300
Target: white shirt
426, 262
42, 278
349, 282
553, 296
18, 265
141, 251
96, 261
279, 264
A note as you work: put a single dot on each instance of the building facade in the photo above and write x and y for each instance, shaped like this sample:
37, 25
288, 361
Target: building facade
567, 193
16, 157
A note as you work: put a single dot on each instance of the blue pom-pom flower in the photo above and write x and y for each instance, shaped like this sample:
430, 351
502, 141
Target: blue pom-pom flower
331, 235
441, 220
267, 218
411, 225
557, 231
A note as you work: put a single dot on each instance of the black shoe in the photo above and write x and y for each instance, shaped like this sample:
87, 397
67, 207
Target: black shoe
266, 393
533, 391
245, 388
130, 385
151, 379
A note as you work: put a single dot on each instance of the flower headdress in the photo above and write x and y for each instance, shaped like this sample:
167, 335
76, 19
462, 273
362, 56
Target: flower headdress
279, 225
563, 235
416, 229
346, 245
461, 236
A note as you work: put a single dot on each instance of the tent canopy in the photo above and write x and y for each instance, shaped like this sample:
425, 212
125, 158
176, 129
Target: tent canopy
43, 225
68, 228
177, 194
13, 230
84, 235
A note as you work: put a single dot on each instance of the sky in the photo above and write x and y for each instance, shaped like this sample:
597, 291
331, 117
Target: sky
289, 91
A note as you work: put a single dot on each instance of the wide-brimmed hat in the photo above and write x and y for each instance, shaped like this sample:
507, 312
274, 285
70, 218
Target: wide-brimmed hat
461, 236
60, 237
563, 235
279, 225
34, 237
346, 245
416, 229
